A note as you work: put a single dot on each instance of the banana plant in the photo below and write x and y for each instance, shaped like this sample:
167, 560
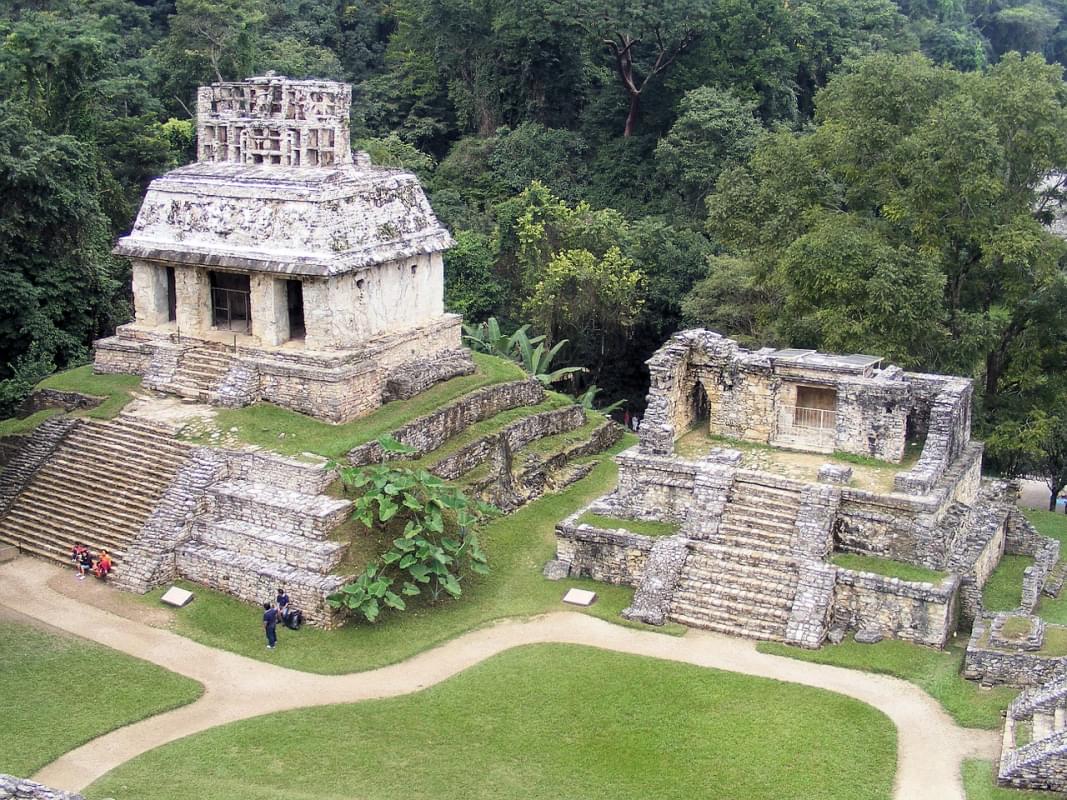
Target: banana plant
587, 400
538, 361
489, 338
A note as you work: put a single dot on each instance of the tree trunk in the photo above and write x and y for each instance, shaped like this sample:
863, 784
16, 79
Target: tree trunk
1052, 501
631, 118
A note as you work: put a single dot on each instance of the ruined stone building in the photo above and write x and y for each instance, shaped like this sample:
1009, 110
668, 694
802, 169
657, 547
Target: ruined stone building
280, 267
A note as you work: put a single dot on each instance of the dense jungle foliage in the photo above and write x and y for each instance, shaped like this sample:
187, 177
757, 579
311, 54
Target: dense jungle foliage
853, 175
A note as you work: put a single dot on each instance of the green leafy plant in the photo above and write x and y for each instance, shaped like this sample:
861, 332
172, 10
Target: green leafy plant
587, 400
538, 361
435, 544
488, 337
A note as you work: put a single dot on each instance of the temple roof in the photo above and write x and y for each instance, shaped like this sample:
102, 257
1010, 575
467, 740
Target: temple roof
293, 220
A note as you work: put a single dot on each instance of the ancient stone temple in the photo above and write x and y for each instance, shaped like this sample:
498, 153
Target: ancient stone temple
281, 267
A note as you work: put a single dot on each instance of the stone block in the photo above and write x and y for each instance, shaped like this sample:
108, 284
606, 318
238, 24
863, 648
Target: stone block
556, 570
177, 597
835, 473
579, 597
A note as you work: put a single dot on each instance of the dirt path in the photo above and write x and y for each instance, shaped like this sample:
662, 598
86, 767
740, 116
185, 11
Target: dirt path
930, 745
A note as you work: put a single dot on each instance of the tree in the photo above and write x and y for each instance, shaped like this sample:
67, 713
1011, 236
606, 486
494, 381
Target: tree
644, 39
714, 129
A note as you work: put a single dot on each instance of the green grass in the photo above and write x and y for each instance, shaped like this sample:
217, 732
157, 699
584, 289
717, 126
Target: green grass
542, 722
115, 389
1015, 628
518, 545
1004, 589
262, 423
1055, 644
61, 691
1051, 609
937, 672
979, 783
15, 426
887, 567
640, 526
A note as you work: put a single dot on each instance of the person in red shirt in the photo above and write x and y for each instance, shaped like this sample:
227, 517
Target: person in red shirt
102, 568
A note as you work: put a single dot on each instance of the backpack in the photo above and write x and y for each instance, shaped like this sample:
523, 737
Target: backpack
294, 619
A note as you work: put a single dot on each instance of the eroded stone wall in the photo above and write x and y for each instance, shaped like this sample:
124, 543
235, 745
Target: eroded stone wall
923, 613
12, 788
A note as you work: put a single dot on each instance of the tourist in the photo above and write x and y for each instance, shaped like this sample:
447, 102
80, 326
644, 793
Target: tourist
270, 622
103, 565
282, 602
85, 563
76, 558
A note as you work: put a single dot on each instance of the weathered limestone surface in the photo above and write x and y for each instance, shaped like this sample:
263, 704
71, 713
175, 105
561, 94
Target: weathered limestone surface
944, 408
652, 600
613, 556
809, 618
923, 613
1041, 763
791, 398
12, 788
418, 375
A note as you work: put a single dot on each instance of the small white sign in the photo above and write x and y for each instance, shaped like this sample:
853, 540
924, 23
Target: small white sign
177, 597
579, 597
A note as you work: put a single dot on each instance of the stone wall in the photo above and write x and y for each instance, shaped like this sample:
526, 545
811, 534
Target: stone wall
653, 487
54, 398
1023, 539
996, 667
12, 788
652, 600
427, 433
611, 556
945, 411
418, 375
923, 613
977, 549
33, 452
516, 435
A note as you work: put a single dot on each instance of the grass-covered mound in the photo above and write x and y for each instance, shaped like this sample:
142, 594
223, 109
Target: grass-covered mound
61, 691
116, 390
937, 672
887, 567
541, 723
518, 545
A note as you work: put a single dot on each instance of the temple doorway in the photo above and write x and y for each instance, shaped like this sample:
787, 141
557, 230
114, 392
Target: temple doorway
294, 298
231, 307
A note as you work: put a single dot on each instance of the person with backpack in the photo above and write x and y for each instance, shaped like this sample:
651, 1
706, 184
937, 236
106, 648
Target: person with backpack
270, 623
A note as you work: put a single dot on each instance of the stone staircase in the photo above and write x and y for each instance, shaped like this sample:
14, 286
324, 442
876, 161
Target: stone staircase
200, 373
257, 535
99, 487
743, 579
1034, 751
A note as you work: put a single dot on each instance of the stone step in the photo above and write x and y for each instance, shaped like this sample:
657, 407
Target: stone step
210, 356
772, 536
131, 431
743, 608
743, 555
743, 601
730, 627
75, 527
57, 544
757, 491
58, 553
762, 512
90, 507
74, 463
128, 451
780, 586
268, 544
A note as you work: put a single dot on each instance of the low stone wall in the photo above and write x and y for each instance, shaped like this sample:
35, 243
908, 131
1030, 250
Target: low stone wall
1017, 668
516, 435
274, 508
254, 580
611, 556
1023, 539
33, 452
427, 433
923, 613
948, 429
54, 398
117, 355
300, 476
418, 375
655, 487
12, 788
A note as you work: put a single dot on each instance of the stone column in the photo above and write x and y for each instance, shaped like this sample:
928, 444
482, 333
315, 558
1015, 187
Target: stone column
270, 312
318, 321
193, 290
150, 294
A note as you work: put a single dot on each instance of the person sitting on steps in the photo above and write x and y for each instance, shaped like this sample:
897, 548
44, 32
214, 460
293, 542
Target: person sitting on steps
103, 565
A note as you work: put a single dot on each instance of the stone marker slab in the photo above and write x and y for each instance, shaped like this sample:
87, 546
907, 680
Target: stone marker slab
579, 597
177, 597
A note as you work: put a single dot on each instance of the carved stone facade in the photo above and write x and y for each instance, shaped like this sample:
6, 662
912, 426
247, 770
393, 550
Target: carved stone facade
278, 267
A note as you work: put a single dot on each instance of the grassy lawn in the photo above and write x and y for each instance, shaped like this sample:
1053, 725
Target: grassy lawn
518, 545
14, 426
115, 389
887, 567
1004, 589
640, 526
979, 783
542, 722
937, 672
262, 424
61, 691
